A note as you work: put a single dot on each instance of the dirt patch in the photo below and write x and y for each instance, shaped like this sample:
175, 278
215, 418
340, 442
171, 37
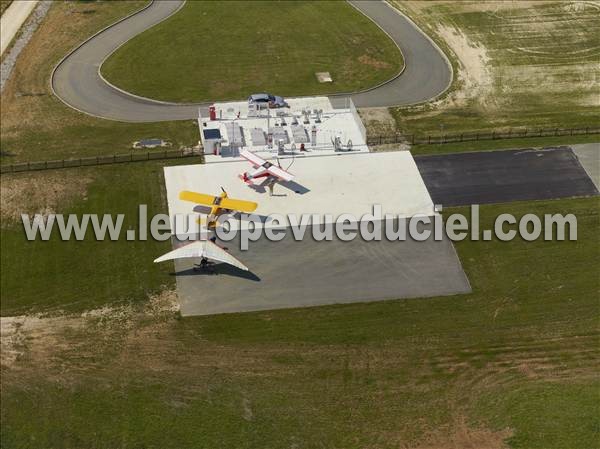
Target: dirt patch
40, 193
378, 121
492, 6
474, 73
462, 436
375, 63
41, 339
386, 147
33, 337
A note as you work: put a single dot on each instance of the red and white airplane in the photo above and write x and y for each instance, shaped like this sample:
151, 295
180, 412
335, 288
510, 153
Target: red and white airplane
263, 169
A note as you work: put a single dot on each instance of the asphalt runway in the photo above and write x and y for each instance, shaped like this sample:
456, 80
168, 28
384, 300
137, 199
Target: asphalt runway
303, 273
426, 74
77, 81
501, 176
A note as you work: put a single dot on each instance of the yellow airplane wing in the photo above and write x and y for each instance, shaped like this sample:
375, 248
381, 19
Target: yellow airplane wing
198, 198
240, 205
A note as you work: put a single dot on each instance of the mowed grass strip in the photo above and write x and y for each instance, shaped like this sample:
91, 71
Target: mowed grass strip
78, 275
227, 50
516, 64
512, 365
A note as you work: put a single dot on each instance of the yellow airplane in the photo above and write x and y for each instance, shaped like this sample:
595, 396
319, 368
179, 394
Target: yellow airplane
219, 205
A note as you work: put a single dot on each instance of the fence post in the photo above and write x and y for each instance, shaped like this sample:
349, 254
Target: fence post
429, 138
477, 136
147, 155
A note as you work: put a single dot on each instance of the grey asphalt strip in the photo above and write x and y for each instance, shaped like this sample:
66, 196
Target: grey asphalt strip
304, 273
503, 176
427, 73
76, 80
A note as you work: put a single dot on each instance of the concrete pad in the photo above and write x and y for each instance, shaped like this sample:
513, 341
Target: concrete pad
589, 157
502, 176
293, 273
336, 185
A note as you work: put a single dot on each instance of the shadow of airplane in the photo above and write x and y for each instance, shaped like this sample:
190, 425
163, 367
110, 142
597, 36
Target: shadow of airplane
220, 269
293, 186
202, 209
235, 215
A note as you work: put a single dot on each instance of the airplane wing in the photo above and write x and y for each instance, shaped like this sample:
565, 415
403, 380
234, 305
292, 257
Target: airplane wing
252, 158
202, 248
273, 169
241, 205
198, 198
279, 173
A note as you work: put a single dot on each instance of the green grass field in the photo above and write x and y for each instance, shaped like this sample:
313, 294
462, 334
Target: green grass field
35, 125
516, 360
516, 64
80, 275
226, 50
514, 364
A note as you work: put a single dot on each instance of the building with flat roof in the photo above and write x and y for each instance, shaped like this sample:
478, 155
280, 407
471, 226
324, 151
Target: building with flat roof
309, 126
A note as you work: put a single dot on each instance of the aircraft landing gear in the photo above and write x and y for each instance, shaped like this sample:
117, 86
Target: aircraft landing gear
205, 266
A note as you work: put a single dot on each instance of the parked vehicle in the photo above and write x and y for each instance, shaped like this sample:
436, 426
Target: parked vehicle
273, 101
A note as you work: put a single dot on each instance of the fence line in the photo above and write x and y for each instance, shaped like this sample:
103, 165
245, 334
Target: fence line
371, 140
441, 139
90, 161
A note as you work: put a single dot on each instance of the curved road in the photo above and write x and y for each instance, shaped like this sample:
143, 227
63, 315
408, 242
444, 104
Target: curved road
77, 82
